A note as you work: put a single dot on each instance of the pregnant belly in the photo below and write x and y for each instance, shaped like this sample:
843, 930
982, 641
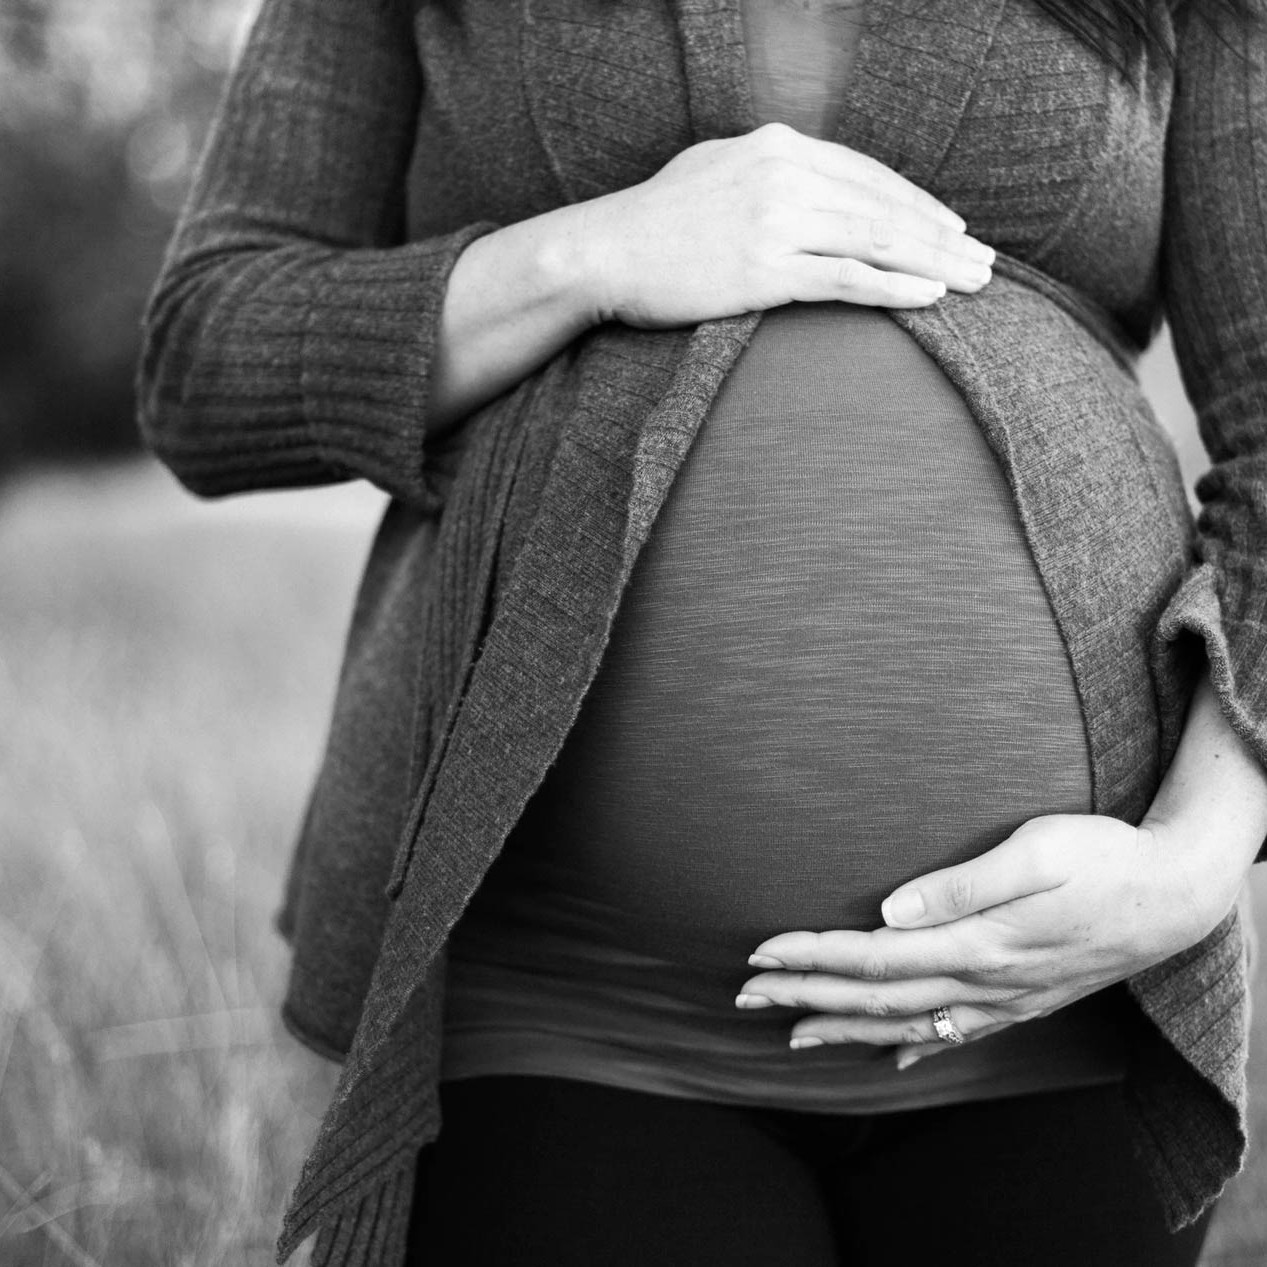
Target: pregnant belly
835, 668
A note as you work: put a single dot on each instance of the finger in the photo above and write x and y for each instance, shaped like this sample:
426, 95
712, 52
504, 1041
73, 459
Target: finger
878, 242
886, 954
828, 992
817, 278
843, 163
916, 1030
1014, 869
912, 1053
839, 198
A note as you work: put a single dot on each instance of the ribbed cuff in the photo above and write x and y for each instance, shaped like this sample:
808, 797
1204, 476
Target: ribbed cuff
370, 329
1196, 609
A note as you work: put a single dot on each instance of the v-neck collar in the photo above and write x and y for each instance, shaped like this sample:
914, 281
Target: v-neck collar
612, 103
913, 74
711, 32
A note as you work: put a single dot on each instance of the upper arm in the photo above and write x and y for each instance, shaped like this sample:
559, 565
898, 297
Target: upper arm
288, 338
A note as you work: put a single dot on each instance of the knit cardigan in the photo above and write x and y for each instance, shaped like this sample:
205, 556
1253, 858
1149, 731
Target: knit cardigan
359, 148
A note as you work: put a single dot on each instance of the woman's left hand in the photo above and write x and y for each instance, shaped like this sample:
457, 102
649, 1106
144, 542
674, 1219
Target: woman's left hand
1068, 904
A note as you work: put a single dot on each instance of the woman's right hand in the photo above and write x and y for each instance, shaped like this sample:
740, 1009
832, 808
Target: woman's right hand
754, 221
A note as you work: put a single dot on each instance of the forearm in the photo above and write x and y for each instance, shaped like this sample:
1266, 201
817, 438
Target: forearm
515, 298
1210, 812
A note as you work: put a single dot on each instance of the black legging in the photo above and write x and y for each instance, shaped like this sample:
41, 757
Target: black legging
549, 1172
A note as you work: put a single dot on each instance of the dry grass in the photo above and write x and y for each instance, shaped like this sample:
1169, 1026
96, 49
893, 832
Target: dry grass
165, 671
164, 678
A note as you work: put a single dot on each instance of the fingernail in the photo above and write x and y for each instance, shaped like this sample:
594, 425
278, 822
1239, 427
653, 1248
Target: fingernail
980, 253
799, 1044
764, 961
903, 908
906, 1060
932, 290
752, 1000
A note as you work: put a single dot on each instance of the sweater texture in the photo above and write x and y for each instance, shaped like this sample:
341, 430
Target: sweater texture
361, 145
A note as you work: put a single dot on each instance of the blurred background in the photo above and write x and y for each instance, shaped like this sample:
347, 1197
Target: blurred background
166, 668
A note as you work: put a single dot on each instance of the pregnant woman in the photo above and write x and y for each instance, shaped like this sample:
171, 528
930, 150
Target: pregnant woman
787, 655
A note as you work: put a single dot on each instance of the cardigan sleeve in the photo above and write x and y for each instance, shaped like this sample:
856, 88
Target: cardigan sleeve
1215, 280
289, 337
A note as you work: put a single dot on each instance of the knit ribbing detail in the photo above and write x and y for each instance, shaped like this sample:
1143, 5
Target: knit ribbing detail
519, 699
305, 173
1103, 629
629, 56
1188, 1093
289, 339
457, 616
937, 66
374, 1231
385, 1107
716, 67
330, 371
383, 1111
1223, 355
1193, 1141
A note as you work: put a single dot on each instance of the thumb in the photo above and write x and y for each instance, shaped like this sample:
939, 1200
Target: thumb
1008, 871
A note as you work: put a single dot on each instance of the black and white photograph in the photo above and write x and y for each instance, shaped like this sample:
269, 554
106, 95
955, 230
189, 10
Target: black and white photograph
633, 633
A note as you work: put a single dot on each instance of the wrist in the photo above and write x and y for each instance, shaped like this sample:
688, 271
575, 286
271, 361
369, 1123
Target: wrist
1197, 873
1209, 817
573, 262
515, 298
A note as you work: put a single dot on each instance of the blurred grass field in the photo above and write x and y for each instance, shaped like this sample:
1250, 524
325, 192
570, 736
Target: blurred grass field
166, 669
165, 673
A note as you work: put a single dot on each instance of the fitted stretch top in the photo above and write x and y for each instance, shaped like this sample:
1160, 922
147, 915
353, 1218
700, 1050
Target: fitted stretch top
835, 669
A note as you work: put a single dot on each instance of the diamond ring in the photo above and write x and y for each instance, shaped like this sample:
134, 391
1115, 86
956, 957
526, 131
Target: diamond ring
947, 1031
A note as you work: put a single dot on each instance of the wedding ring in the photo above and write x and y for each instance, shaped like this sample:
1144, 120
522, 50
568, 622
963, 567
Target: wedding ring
947, 1031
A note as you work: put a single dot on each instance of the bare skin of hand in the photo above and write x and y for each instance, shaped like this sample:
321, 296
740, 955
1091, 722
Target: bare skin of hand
725, 227
759, 220
1068, 904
